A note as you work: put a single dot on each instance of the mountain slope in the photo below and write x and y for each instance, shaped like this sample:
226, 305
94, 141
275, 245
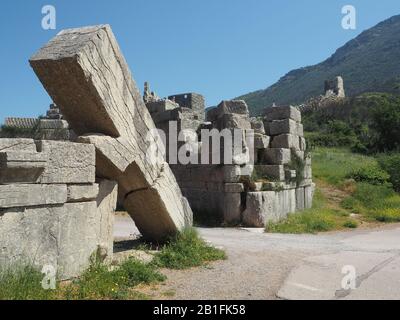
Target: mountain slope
370, 62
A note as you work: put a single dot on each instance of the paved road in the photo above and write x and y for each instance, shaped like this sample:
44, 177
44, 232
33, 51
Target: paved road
270, 266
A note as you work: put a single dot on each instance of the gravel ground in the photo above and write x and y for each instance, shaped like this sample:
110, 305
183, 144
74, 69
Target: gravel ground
258, 263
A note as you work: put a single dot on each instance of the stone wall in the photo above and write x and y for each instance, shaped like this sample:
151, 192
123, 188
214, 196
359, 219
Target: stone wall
269, 189
52, 210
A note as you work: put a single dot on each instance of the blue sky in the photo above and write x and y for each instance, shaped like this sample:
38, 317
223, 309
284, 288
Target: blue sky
220, 48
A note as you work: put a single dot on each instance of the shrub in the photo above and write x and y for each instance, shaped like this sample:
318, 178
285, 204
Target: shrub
371, 173
391, 164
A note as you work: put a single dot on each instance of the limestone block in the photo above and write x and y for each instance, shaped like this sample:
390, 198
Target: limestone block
283, 112
17, 144
232, 121
62, 236
307, 171
82, 193
287, 126
28, 195
233, 187
232, 207
85, 73
106, 205
277, 156
257, 125
261, 141
271, 172
302, 144
238, 107
21, 167
300, 199
287, 141
308, 195
68, 162
259, 206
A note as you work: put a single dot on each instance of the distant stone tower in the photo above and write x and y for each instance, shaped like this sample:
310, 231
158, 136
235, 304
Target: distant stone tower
335, 88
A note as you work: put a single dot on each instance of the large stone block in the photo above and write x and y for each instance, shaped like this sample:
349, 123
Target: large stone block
21, 167
62, 236
287, 141
287, 126
232, 208
68, 162
283, 112
277, 156
257, 125
261, 141
18, 144
88, 78
82, 193
300, 199
272, 172
259, 207
106, 205
28, 195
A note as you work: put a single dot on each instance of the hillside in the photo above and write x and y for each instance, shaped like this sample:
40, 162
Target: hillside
370, 62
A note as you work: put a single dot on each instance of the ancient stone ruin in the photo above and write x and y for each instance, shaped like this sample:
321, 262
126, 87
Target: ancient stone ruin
52, 126
53, 210
58, 193
240, 193
334, 95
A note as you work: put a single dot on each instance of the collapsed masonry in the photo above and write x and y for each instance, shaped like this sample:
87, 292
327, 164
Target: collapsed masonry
85, 73
57, 197
334, 95
277, 183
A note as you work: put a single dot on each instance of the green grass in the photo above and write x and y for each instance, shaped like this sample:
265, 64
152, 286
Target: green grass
187, 250
317, 219
100, 282
335, 165
369, 194
378, 203
23, 283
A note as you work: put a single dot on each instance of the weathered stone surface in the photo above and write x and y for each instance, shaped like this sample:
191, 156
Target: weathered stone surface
273, 172
106, 205
21, 167
277, 156
62, 236
27, 145
233, 187
261, 141
300, 199
282, 113
68, 162
28, 195
88, 78
287, 126
232, 207
308, 195
257, 125
82, 193
302, 143
286, 141
258, 206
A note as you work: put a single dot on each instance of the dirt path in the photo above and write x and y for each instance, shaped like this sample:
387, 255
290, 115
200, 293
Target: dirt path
268, 266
